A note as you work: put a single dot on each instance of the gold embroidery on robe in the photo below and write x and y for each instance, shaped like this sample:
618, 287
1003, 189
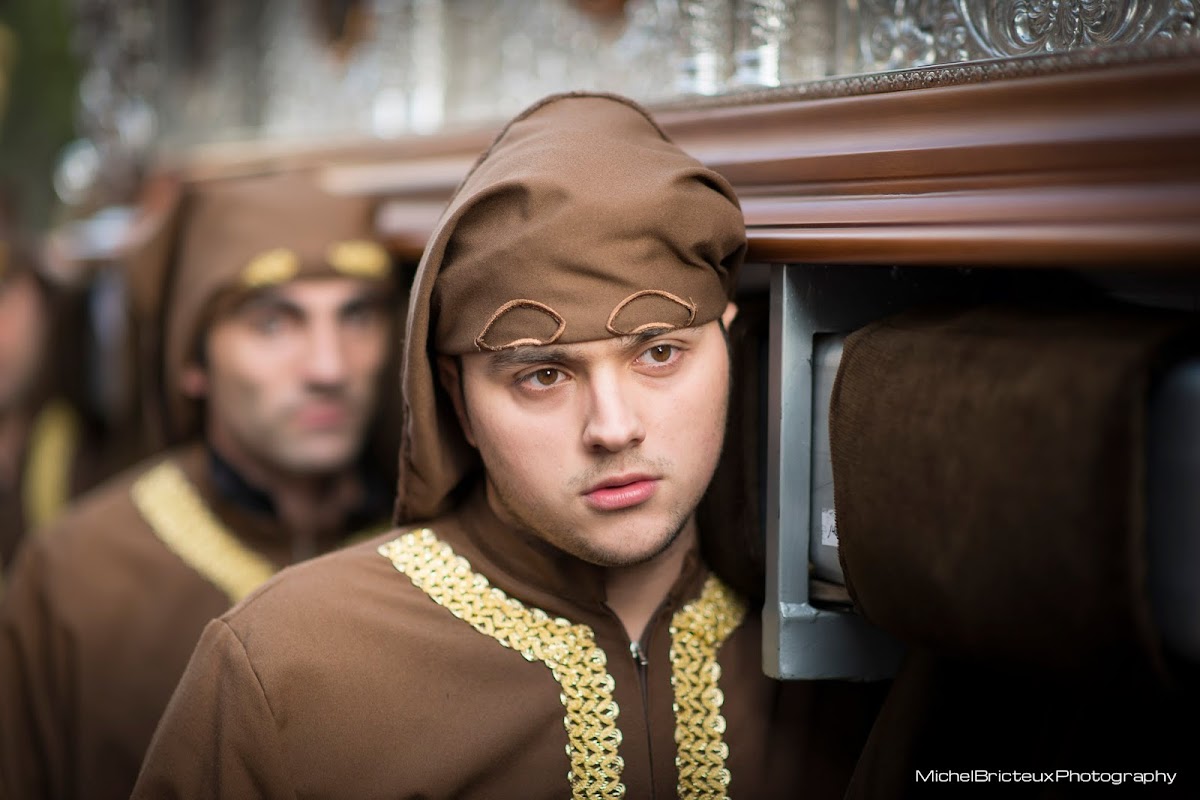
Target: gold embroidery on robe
47, 481
697, 632
567, 649
179, 517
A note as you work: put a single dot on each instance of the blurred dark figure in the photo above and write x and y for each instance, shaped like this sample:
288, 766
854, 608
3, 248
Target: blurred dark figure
54, 443
265, 315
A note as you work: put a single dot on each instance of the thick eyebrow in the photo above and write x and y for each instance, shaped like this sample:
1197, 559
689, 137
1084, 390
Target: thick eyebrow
530, 355
267, 298
633, 341
367, 297
527, 356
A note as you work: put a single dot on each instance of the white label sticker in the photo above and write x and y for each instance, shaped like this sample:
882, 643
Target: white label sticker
828, 528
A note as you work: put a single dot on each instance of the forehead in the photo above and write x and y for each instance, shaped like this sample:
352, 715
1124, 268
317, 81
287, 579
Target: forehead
312, 293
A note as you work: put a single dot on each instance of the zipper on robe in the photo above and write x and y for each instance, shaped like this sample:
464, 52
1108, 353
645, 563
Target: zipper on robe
642, 663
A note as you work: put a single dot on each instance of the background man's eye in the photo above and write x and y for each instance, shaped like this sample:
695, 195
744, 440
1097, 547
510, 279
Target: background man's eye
546, 377
363, 315
269, 323
661, 352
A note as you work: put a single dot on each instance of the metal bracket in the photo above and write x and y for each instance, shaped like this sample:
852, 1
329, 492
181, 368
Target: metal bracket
801, 640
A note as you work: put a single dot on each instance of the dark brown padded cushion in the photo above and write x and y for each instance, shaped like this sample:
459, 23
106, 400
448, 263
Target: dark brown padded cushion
988, 466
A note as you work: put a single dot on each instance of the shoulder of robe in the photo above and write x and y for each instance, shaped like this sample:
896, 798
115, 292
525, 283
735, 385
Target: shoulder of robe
95, 521
340, 582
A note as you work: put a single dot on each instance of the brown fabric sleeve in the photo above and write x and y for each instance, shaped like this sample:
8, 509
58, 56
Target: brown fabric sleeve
34, 667
988, 467
218, 737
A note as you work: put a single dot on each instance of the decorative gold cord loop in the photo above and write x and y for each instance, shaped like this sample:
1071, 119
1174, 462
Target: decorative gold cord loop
270, 268
509, 306
610, 326
360, 258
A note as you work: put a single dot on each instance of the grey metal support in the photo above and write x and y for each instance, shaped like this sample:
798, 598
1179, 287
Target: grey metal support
802, 641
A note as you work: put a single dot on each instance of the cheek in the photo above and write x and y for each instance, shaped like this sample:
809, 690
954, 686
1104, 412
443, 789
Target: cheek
19, 328
369, 355
520, 443
700, 404
9, 335
241, 379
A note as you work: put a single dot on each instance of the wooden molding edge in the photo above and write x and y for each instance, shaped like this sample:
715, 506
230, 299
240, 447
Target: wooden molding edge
1080, 168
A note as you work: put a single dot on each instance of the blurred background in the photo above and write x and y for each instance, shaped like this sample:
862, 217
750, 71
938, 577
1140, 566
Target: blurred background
97, 96
885, 153
1093, 170
92, 90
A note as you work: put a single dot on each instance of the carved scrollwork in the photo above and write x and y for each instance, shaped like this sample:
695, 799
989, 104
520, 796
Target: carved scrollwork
913, 33
1157, 50
1020, 27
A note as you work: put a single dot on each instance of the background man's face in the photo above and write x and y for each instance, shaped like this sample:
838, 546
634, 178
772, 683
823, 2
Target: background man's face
602, 448
292, 373
22, 337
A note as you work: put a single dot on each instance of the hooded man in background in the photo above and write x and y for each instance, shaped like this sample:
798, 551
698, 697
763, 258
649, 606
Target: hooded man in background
543, 621
277, 326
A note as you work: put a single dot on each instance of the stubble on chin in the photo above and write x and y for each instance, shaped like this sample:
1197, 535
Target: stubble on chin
570, 542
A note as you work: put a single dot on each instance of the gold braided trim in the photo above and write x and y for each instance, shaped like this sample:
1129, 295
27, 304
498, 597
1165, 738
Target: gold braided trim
179, 517
568, 650
697, 632
47, 481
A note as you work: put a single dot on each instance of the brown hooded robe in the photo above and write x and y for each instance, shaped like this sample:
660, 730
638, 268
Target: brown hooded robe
462, 657
104, 609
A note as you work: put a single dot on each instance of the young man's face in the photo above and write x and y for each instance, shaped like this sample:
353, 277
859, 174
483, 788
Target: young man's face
22, 337
290, 378
602, 448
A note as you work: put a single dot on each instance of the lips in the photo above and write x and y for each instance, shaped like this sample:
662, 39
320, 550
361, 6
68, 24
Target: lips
621, 492
322, 415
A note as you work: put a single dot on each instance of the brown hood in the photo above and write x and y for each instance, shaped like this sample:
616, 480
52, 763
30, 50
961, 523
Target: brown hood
217, 238
582, 221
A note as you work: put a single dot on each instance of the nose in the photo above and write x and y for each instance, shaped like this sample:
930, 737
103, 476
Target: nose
325, 361
613, 422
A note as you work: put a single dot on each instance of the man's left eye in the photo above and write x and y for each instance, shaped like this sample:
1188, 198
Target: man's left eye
546, 377
659, 354
363, 315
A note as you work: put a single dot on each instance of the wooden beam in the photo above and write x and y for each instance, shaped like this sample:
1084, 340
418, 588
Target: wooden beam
1093, 166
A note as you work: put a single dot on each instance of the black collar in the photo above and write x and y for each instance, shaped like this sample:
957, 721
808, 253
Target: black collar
231, 486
